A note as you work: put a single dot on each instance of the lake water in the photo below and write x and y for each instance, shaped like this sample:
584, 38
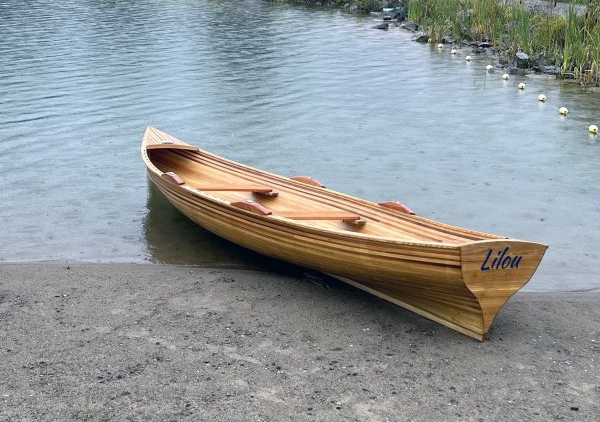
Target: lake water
290, 89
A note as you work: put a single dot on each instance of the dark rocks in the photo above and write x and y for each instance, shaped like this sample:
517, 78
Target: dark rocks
400, 12
410, 26
383, 26
448, 39
394, 10
371, 5
549, 70
522, 60
423, 38
482, 47
517, 71
544, 64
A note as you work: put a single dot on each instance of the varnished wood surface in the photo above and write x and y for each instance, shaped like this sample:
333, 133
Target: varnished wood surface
426, 266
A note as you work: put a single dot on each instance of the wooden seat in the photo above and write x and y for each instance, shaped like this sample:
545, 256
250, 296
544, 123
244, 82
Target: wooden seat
319, 215
259, 189
346, 217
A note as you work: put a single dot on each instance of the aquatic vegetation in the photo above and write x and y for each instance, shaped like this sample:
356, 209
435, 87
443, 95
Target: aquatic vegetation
569, 40
362, 5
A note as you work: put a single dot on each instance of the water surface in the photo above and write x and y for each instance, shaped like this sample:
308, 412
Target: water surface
293, 90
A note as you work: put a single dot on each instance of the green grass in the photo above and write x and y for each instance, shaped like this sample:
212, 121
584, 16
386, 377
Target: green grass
571, 41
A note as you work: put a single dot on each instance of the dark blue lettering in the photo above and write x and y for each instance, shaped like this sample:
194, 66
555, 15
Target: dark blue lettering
503, 260
483, 267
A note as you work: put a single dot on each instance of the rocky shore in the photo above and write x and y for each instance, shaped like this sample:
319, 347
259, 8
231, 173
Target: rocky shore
148, 342
520, 64
394, 13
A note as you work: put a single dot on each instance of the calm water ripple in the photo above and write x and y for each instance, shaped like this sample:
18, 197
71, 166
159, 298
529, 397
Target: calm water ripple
293, 90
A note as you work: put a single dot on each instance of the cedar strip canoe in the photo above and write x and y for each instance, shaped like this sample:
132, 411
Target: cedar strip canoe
459, 278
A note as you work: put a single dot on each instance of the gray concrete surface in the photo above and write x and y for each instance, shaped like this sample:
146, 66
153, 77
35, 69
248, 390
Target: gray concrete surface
133, 342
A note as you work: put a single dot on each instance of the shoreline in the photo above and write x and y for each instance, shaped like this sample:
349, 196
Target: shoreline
517, 54
159, 342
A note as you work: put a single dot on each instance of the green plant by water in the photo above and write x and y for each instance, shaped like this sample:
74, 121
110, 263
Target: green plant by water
570, 40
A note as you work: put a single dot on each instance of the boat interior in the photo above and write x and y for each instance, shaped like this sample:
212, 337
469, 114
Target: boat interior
300, 198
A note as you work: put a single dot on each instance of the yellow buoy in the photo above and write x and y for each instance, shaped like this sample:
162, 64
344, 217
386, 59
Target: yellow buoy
505, 76
542, 98
521, 85
453, 51
563, 111
468, 58
489, 67
593, 129
440, 45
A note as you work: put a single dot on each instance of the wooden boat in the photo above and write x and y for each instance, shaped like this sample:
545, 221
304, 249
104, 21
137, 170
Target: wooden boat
457, 277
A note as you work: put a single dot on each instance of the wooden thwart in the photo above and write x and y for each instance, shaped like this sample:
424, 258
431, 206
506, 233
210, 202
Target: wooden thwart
320, 215
345, 216
260, 189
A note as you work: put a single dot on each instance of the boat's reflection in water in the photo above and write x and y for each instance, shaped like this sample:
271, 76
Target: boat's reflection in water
172, 238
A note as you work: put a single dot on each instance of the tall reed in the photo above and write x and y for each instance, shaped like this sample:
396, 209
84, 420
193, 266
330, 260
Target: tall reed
570, 41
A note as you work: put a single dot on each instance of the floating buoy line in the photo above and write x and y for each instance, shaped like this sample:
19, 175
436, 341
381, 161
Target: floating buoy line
563, 111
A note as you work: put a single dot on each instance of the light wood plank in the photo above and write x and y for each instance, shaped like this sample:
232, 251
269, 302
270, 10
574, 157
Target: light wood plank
320, 215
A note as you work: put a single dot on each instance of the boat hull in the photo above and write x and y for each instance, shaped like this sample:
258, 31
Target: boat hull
458, 285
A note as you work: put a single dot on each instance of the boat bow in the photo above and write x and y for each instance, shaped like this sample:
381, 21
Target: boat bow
494, 270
